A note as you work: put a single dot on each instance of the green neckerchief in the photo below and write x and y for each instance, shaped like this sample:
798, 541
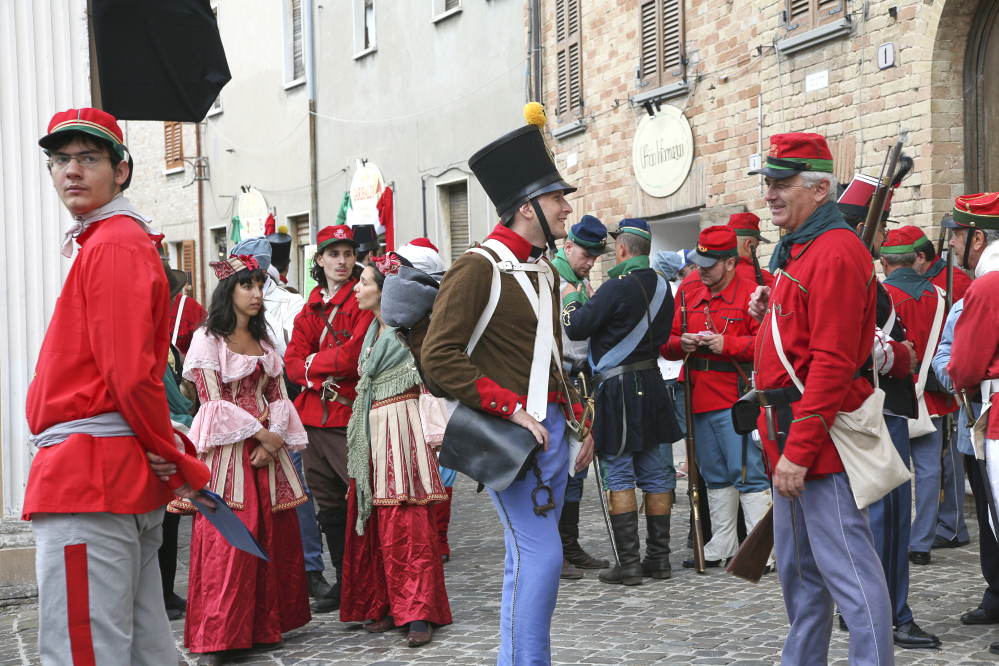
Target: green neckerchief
629, 265
387, 369
909, 281
825, 218
565, 271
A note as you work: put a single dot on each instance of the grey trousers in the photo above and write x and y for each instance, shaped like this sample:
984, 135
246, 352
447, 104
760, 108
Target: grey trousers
99, 590
927, 469
838, 567
950, 513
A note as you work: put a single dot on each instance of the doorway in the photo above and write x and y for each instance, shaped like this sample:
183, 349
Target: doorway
981, 101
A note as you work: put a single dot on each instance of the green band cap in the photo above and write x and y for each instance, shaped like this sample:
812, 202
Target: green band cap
803, 164
634, 230
899, 249
588, 245
977, 221
748, 232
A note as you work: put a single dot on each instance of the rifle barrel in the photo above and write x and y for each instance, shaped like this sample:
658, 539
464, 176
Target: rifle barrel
693, 481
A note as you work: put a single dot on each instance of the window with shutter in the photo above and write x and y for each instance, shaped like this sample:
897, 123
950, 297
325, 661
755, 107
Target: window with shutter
661, 30
805, 15
173, 137
369, 23
451, 4
569, 56
187, 263
297, 56
458, 204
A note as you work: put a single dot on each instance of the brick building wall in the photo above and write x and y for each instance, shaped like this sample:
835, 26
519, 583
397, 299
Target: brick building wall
732, 69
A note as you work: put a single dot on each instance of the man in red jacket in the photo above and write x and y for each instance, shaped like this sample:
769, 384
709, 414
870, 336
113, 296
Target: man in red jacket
918, 302
974, 359
98, 411
747, 231
720, 339
824, 303
322, 356
934, 268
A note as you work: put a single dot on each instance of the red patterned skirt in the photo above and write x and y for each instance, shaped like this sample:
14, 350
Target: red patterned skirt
235, 599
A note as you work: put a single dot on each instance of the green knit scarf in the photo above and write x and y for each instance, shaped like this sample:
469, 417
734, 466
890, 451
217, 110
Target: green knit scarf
387, 369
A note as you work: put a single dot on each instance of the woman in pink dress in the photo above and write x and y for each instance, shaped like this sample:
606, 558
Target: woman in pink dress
243, 431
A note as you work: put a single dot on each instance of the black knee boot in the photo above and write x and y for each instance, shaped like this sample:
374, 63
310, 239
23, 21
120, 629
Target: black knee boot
568, 529
333, 524
658, 507
624, 522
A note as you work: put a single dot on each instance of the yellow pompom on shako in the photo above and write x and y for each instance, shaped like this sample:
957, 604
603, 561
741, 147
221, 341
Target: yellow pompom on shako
282, 229
534, 114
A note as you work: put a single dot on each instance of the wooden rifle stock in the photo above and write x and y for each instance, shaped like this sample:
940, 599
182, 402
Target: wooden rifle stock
693, 482
873, 222
754, 553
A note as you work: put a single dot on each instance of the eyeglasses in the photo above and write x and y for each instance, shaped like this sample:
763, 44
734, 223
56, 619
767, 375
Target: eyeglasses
88, 160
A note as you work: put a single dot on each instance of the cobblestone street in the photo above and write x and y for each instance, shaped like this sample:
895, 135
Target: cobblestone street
695, 619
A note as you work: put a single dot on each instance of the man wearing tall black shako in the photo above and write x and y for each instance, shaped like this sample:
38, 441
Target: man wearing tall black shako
806, 368
512, 369
585, 243
627, 321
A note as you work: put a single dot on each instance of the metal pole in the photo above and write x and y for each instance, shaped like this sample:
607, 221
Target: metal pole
311, 82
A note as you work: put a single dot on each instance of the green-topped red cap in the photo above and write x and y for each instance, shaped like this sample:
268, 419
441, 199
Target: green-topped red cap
792, 153
901, 241
980, 211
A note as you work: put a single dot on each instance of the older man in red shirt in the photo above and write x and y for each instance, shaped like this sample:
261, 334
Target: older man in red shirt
98, 411
974, 359
815, 336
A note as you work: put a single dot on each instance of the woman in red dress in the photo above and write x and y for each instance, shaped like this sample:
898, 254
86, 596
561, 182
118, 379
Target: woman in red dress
243, 431
393, 572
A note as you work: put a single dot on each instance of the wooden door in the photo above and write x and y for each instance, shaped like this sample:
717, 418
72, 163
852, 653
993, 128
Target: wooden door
981, 101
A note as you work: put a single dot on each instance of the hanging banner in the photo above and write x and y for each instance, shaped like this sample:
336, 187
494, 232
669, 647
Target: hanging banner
365, 190
252, 210
663, 151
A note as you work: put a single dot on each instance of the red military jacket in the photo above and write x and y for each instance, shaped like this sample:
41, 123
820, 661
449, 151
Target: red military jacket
728, 312
826, 306
309, 363
974, 355
193, 316
105, 350
937, 274
918, 318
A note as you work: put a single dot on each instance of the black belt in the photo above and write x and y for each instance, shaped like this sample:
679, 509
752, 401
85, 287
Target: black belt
597, 380
718, 366
781, 399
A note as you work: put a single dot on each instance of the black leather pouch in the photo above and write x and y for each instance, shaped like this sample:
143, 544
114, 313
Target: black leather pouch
486, 448
745, 413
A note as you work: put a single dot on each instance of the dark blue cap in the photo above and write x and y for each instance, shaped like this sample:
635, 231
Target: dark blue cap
589, 234
633, 225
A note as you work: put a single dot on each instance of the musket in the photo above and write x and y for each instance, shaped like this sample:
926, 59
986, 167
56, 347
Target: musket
756, 265
588, 399
873, 222
693, 491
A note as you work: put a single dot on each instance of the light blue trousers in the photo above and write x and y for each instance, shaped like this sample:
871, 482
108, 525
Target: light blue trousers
533, 553
927, 467
950, 513
719, 454
312, 540
829, 560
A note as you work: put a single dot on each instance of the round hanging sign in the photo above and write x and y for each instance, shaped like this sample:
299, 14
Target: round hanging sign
365, 190
663, 151
253, 212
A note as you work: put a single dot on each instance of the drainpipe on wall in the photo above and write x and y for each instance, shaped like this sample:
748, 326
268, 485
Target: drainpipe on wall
201, 211
536, 48
310, 70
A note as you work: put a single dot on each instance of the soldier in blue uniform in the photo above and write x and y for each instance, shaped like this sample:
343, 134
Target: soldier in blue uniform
627, 320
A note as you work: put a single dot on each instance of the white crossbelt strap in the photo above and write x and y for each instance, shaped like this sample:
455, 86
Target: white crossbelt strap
931, 344
541, 303
176, 326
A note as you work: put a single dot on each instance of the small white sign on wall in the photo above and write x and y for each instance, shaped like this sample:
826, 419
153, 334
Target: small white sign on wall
754, 162
817, 80
886, 56
570, 160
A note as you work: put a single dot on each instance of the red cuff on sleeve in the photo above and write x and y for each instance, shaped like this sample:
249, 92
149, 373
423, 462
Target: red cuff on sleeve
495, 399
900, 368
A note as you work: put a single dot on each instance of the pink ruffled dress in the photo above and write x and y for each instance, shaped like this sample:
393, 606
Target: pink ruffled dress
236, 599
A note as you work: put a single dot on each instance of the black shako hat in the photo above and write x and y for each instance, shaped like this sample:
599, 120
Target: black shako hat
366, 237
517, 168
280, 250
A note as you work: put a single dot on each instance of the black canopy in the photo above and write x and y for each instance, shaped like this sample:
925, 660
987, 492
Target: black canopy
158, 59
